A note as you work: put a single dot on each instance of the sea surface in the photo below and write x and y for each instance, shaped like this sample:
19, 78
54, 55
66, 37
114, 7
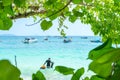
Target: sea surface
31, 56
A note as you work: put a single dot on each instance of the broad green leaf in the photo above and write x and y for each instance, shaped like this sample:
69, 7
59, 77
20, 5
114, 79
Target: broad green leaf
78, 74
45, 25
38, 76
7, 23
72, 18
103, 65
110, 56
64, 70
96, 77
1, 8
100, 50
7, 2
77, 1
8, 71
8, 10
1, 24
101, 69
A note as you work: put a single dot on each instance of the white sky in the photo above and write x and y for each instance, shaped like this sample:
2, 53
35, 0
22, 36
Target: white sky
19, 28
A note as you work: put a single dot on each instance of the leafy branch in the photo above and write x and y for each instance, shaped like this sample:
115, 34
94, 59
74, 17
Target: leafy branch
26, 14
52, 14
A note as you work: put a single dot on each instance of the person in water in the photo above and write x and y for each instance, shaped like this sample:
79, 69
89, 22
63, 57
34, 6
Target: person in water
49, 63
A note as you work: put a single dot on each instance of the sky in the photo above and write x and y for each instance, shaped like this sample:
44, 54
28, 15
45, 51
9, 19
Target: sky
19, 28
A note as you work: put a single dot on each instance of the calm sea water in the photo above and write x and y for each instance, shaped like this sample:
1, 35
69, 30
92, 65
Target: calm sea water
31, 56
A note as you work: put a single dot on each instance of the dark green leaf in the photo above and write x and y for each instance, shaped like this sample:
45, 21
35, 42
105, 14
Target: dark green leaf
116, 1
8, 10
95, 77
38, 76
76, 13
78, 74
116, 74
1, 24
72, 18
50, 2
77, 1
64, 70
45, 25
8, 71
20, 3
7, 2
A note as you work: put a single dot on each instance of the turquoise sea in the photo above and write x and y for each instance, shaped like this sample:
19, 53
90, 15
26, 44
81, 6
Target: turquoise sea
31, 56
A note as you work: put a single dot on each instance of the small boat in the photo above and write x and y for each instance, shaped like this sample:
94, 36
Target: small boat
30, 40
84, 37
96, 41
67, 41
46, 38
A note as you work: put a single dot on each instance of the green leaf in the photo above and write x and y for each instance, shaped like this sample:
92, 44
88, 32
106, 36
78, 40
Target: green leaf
45, 25
103, 65
9, 10
77, 1
78, 74
1, 24
20, 3
87, 1
7, 24
116, 74
50, 2
38, 76
100, 50
110, 56
62, 32
116, 2
8, 71
86, 78
7, 2
95, 77
64, 70
101, 69
72, 18
76, 13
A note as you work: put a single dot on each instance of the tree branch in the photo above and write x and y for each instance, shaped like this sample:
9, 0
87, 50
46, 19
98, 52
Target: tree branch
26, 14
52, 14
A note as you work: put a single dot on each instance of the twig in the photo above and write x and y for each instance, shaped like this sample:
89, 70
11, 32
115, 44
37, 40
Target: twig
52, 14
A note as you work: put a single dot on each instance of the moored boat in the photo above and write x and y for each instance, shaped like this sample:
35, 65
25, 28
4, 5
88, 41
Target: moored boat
30, 40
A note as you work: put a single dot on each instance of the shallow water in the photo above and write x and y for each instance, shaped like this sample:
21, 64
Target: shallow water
31, 56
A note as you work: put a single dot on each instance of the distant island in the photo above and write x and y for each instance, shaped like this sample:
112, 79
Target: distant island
7, 35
